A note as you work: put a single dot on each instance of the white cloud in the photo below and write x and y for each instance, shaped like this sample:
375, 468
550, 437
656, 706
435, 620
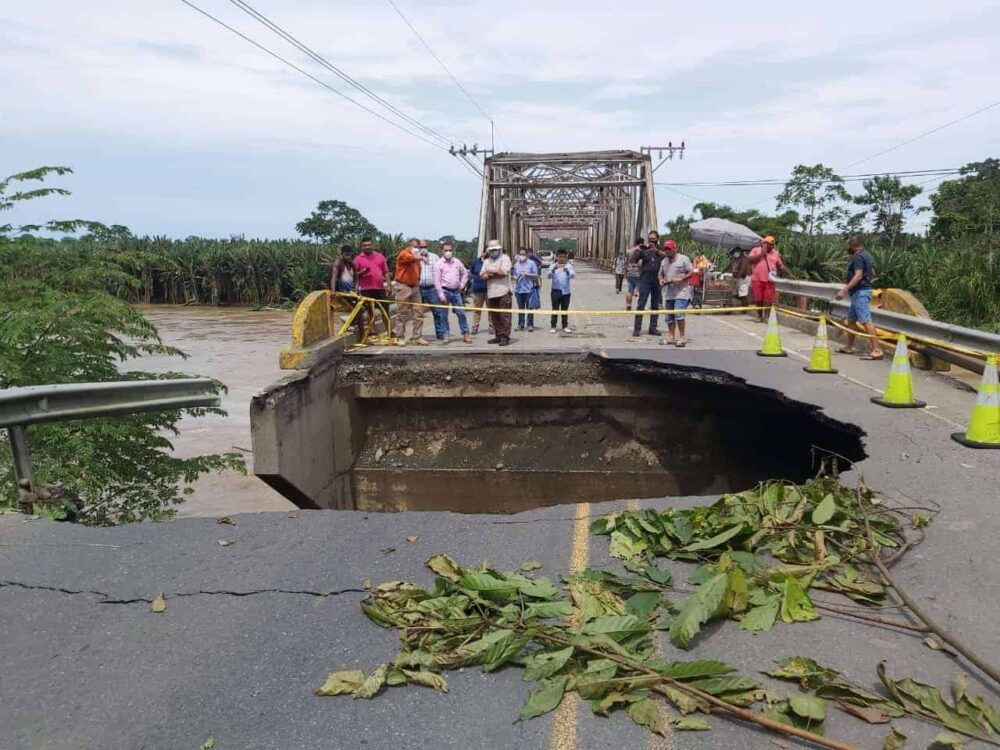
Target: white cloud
156, 81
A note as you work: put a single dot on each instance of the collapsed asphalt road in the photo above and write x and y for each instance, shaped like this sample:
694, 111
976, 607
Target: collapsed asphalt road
252, 627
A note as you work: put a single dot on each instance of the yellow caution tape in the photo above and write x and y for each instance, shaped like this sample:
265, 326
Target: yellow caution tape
889, 337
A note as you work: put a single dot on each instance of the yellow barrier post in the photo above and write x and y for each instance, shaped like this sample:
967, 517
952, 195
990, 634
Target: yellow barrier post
820, 360
984, 423
772, 338
899, 387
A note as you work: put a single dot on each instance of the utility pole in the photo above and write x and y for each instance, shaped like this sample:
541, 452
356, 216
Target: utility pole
670, 150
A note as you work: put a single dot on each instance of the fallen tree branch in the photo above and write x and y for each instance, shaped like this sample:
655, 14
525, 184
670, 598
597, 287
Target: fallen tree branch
985, 667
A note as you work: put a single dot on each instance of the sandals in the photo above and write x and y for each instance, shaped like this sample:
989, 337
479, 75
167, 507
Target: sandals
873, 357
845, 350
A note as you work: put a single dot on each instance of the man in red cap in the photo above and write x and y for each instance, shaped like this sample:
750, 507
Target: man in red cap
767, 267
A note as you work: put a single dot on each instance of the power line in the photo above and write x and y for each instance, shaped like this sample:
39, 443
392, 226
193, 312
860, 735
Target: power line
924, 135
310, 76
444, 67
348, 79
842, 178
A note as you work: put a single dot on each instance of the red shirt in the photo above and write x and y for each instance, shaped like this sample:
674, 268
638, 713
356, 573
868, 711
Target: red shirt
372, 280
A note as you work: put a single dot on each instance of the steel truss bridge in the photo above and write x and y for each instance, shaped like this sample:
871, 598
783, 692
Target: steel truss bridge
602, 198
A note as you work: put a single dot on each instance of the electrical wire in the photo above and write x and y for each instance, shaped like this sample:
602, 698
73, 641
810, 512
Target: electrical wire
444, 67
309, 75
924, 135
843, 178
305, 49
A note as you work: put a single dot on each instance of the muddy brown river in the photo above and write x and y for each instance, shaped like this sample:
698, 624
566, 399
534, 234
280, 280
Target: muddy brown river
239, 347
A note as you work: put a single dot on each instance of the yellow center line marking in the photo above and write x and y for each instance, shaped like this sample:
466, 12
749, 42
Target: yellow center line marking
656, 742
563, 735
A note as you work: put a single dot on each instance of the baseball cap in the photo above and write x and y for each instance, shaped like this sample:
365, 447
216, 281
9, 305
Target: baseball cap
670, 244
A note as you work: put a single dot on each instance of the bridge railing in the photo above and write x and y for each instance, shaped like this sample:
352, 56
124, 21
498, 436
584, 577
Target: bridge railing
919, 328
35, 404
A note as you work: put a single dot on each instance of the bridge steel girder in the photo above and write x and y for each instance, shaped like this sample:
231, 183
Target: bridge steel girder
604, 198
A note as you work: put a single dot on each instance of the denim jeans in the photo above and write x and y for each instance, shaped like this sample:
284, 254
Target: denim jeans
524, 303
651, 292
454, 298
429, 296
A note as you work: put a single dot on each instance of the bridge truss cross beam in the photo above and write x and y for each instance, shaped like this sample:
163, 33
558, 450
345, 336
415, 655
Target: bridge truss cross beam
603, 198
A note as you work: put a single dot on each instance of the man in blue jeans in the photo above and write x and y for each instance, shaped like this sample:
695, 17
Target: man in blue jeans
648, 258
450, 278
860, 283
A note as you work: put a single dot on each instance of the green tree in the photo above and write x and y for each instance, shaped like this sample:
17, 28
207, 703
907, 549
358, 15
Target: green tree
887, 203
969, 207
58, 324
817, 192
336, 222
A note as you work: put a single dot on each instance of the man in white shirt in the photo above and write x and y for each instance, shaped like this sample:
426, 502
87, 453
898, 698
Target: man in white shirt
676, 271
428, 291
496, 271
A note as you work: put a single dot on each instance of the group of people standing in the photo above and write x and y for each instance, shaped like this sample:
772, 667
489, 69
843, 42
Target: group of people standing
424, 280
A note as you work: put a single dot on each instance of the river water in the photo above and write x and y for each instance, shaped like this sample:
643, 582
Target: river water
239, 347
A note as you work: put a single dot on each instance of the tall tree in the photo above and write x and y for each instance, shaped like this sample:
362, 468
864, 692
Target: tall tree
336, 222
969, 207
887, 202
817, 192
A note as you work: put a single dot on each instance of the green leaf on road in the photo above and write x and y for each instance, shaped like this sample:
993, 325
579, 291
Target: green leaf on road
341, 683
544, 699
825, 510
796, 606
530, 565
373, 683
646, 713
808, 706
763, 617
545, 664
445, 567
699, 608
894, 740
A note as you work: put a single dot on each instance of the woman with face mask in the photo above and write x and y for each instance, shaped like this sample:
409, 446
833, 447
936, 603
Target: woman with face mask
525, 273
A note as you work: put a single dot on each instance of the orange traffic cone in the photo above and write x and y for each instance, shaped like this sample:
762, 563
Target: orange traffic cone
984, 424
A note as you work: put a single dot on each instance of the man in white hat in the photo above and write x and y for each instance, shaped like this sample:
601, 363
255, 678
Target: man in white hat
496, 271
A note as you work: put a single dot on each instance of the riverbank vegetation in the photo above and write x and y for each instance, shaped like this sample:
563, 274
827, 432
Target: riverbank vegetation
64, 318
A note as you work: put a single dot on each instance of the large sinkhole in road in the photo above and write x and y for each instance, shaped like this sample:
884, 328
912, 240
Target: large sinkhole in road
505, 434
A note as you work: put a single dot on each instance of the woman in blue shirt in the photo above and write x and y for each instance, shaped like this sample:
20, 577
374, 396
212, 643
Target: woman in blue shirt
525, 272
561, 274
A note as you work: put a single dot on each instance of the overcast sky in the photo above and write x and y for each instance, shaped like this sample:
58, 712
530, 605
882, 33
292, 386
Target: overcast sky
174, 126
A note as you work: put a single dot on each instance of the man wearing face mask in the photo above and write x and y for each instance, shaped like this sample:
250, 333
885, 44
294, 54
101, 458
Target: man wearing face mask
496, 271
648, 258
450, 277
406, 288
428, 292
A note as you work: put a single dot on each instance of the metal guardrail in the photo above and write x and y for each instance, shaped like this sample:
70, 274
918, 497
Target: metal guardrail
926, 328
34, 404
